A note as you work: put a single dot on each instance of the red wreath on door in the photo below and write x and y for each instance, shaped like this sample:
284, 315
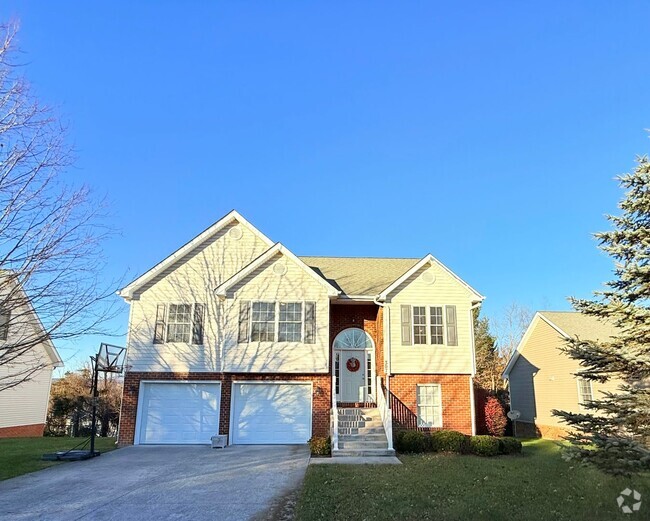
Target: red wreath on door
353, 365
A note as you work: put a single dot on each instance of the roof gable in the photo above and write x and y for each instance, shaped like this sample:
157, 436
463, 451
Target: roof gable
278, 248
428, 260
128, 291
568, 324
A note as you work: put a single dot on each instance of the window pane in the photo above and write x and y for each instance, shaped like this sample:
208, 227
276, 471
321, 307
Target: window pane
290, 323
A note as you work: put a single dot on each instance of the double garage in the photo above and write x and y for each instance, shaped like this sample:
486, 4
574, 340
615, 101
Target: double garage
189, 412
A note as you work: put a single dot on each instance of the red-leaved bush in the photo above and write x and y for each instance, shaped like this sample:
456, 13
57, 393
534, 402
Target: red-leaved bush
495, 417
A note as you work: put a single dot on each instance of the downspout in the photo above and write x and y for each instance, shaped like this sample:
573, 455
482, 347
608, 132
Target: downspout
386, 343
471, 378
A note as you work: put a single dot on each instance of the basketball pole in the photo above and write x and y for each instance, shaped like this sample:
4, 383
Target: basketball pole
93, 428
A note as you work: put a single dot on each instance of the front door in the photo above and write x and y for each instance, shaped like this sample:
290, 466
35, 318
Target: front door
353, 376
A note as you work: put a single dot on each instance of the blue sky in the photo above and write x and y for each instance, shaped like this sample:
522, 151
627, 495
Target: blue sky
486, 133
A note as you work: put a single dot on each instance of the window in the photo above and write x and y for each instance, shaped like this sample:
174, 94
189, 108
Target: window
183, 323
5, 317
429, 405
369, 372
263, 322
436, 325
293, 321
179, 323
419, 325
585, 392
290, 325
337, 361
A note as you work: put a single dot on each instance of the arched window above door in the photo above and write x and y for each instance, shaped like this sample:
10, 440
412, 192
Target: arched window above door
353, 338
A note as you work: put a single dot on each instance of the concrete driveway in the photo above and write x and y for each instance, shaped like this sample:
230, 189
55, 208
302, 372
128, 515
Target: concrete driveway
159, 482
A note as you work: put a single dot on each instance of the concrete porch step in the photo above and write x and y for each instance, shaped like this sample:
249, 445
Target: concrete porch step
363, 444
363, 431
360, 424
379, 436
355, 453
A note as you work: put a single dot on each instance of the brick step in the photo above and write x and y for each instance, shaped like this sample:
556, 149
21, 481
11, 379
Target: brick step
363, 444
355, 453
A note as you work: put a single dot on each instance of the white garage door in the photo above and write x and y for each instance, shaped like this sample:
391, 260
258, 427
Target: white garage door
271, 413
179, 412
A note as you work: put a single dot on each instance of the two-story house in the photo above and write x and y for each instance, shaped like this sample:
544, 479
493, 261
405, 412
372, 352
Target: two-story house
234, 334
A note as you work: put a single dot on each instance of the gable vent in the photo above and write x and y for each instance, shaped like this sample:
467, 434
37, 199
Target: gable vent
428, 277
236, 233
279, 268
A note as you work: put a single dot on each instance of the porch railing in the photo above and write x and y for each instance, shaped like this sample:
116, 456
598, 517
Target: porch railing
334, 429
385, 412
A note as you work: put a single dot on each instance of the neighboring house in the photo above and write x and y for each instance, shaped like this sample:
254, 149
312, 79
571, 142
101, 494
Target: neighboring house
542, 378
235, 334
27, 360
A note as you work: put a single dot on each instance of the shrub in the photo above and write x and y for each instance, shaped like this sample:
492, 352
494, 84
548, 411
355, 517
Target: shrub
320, 446
411, 441
484, 445
509, 445
449, 441
495, 417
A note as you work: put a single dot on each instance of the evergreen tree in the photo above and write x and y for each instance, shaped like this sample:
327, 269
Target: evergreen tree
613, 431
489, 364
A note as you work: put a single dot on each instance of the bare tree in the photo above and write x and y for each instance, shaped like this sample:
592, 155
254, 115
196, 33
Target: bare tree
50, 232
510, 327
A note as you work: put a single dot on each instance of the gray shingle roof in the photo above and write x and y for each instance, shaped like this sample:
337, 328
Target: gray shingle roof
360, 275
583, 326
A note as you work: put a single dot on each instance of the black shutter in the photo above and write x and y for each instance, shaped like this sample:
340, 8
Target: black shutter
244, 321
406, 325
159, 331
310, 322
197, 324
5, 317
452, 327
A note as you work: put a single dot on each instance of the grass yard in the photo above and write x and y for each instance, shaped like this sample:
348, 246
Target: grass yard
536, 485
22, 455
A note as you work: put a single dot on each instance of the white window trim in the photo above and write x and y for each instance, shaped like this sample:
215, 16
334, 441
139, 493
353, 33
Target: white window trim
276, 334
427, 319
438, 423
580, 396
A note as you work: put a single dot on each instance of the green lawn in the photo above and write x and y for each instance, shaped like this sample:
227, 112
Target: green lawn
22, 455
536, 485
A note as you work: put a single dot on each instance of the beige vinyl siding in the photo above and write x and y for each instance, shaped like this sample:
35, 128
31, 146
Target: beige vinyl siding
26, 404
543, 378
263, 284
432, 359
189, 280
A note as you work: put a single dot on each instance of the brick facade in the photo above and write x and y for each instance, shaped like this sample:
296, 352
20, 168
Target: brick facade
456, 399
321, 398
455, 388
22, 431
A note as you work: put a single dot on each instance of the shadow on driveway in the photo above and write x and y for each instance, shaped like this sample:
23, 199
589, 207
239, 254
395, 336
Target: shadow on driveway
159, 482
